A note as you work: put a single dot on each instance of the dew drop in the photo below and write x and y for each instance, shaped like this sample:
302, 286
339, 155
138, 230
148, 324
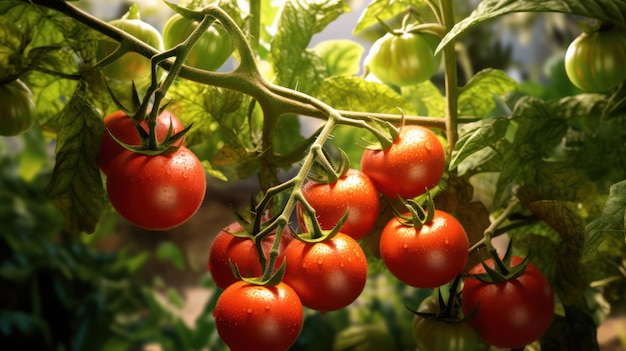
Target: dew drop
406, 246
249, 310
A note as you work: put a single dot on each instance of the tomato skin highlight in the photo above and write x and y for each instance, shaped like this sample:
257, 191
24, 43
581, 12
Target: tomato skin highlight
327, 275
425, 257
122, 127
404, 59
260, 318
595, 62
17, 108
227, 248
210, 52
435, 335
156, 192
353, 191
415, 161
510, 314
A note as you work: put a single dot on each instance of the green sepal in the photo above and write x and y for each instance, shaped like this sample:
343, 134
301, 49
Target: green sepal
318, 234
419, 216
503, 271
328, 168
385, 132
273, 280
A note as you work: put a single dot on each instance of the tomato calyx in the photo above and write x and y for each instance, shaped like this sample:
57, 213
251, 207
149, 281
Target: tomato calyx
386, 133
448, 311
502, 271
329, 165
418, 215
317, 234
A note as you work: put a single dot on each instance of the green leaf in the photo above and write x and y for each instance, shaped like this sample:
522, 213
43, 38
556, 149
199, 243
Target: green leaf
605, 10
295, 65
384, 10
356, 94
341, 56
171, 252
477, 97
611, 226
76, 187
477, 136
174, 298
426, 99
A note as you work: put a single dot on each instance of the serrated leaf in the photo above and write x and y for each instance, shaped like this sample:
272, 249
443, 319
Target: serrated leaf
171, 252
477, 97
605, 10
426, 99
477, 136
295, 65
340, 56
76, 187
611, 226
384, 10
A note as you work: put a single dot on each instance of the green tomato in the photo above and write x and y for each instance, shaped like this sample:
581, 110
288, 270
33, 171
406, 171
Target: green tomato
437, 335
132, 65
17, 108
594, 62
404, 59
211, 50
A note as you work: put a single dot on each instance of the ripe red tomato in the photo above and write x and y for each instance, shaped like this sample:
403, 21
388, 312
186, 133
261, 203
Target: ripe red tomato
327, 275
414, 162
156, 192
227, 248
260, 318
355, 192
428, 256
120, 124
510, 314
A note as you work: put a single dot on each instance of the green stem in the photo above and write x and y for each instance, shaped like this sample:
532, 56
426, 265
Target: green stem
255, 25
451, 79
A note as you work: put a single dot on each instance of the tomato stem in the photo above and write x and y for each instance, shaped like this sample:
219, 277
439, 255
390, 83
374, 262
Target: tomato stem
451, 79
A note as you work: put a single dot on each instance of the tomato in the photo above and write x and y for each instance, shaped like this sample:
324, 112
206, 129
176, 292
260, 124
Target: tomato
439, 335
428, 256
510, 314
353, 191
414, 162
595, 62
156, 192
228, 248
262, 318
17, 108
122, 127
210, 51
132, 65
404, 59
327, 275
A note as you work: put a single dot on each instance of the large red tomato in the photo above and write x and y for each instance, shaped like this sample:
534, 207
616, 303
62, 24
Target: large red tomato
427, 256
414, 162
122, 127
510, 314
353, 191
327, 275
228, 249
156, 192
261, 318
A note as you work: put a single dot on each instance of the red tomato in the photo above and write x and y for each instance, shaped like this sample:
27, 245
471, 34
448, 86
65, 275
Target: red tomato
156, 192
414, 162
227, 248
355, 192
260, 318
428, 256
510, 314
120, 124
327, 275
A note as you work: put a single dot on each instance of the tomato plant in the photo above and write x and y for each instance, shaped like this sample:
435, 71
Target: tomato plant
228, 249
156, 192
438, 335
17, 113
593, 61
131, 65
413, 163
354, 192
254, 317
209, 53
425, 256
513, 313
123, 128
404, 58
327, 275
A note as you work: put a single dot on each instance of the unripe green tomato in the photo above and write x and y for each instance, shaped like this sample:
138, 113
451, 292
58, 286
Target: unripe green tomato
404, 59
17, 108
434, 335
211, 50
596, 62
131, 66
